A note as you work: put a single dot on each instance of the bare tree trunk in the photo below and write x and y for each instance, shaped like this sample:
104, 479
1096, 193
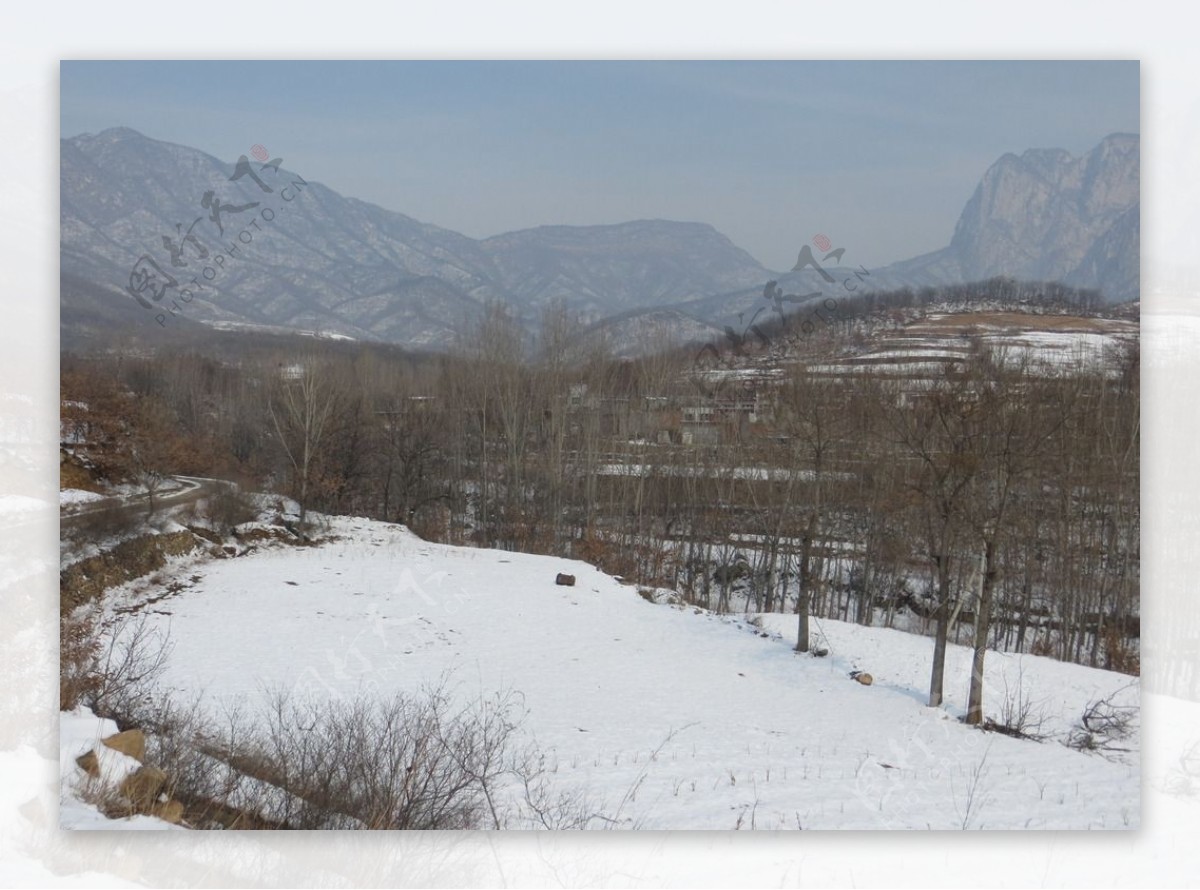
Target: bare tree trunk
301, 418
941, 632
804, 600
983, 614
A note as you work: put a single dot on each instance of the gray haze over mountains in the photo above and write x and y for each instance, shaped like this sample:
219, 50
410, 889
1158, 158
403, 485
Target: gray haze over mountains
271, 249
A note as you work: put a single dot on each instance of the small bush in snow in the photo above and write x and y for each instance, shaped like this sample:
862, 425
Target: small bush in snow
1021, 716
410, 762
109, 669
1104, 727
79, 650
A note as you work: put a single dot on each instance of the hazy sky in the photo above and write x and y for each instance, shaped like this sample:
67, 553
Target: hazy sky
879, 156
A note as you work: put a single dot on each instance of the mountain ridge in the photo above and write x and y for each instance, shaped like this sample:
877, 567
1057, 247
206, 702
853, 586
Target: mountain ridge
325, 261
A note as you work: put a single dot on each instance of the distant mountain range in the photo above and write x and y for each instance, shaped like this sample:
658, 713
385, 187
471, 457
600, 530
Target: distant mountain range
149, 227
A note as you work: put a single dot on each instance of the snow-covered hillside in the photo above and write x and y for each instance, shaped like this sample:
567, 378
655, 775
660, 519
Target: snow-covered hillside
666, 717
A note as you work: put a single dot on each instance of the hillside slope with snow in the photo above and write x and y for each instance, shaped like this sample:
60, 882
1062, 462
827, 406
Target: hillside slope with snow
665, 717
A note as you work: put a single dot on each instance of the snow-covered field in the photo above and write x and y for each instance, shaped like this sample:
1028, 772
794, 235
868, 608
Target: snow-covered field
666, 717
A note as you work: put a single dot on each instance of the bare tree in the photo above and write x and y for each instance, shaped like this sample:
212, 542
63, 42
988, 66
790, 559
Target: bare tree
936, 429
1015, 427
154, 447
301, 406
813, 413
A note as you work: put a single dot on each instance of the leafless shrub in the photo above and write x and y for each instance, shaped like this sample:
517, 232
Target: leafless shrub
405, 763
1021, 716
78, 652
199, 753
543, 805
411, 762
78, 647
1104, 727
109, 668
130, 655
229, 507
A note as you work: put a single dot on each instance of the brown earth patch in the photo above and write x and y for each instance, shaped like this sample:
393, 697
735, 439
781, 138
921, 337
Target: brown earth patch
86, 580
73, 474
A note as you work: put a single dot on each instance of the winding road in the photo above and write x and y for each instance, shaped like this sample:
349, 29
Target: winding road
134, 507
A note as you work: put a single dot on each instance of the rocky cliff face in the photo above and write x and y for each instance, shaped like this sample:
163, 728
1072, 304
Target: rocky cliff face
1042, 214
1047, 215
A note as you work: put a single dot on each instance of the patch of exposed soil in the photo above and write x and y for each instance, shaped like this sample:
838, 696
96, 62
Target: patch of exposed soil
85, 581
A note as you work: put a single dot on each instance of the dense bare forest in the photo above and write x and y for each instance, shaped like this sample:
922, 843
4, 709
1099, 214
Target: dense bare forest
980, 499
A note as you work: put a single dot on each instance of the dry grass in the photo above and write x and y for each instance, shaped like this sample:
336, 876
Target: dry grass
79, 652
71, 474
